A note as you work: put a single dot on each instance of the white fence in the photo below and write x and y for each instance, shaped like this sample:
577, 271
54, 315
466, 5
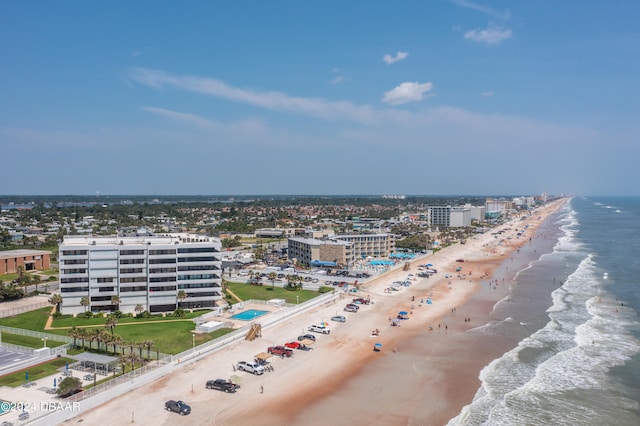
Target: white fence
17, 348
15, 311
38, 334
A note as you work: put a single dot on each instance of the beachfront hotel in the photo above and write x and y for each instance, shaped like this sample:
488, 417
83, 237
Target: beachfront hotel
342, 249
151, 271
306, 250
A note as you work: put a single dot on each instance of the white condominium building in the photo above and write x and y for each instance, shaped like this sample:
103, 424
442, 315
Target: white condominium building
160, 273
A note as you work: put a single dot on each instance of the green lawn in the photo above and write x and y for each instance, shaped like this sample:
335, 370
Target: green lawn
32, 320
266, 292
28, 341
168, 337
69, 321
35, 372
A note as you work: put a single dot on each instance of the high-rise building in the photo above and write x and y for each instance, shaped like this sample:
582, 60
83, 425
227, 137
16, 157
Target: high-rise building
159, 273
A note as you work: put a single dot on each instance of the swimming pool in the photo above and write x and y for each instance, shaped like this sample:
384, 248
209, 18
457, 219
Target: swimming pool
249, 314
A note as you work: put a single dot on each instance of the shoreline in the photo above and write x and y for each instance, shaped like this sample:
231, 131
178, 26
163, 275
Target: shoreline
343, 379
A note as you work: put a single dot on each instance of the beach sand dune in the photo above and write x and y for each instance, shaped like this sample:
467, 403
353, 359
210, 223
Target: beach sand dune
426, 372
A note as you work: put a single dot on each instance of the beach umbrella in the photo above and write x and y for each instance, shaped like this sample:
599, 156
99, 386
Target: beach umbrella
429, 264
428, 301
324, 324
377, 347
403, 313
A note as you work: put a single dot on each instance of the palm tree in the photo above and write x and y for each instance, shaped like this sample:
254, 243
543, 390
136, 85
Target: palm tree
73, 333
132, 356
85, 301
139, 309
116, 341
36, 280
123, 359
105, 337
148, 344
111, 322
291, 279
56, 300
180, 296
82, 335
272, 277
92, 336
299, 280
115, 300
20, 274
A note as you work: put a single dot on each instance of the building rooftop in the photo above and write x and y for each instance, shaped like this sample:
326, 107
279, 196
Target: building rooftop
8, 254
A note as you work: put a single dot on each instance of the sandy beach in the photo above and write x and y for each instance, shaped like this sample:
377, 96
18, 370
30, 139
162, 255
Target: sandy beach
426, 372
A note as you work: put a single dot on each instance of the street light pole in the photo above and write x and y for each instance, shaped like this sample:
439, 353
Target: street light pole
194, 340
297, 299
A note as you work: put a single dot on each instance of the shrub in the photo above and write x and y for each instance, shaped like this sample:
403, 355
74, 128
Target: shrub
325, 289
88, 314
117, 314
178, 313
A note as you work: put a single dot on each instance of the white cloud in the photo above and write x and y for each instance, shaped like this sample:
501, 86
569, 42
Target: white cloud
337, 80
491, 35
246, 127
399, 56
328, 110
484, 9
407, 92
488, 93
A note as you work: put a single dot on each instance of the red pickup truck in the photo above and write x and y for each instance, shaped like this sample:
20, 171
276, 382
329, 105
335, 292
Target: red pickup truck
281, 351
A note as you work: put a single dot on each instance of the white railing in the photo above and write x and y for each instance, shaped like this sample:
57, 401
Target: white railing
38, 334
15, 311
18, 348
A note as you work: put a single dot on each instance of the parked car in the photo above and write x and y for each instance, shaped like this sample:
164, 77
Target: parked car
222, 385
361, 301
307, 336
339, 318
319, 329
250, 367
177, 407
280, 350
351, 308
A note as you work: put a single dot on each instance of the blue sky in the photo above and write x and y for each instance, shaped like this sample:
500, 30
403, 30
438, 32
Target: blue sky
331, 97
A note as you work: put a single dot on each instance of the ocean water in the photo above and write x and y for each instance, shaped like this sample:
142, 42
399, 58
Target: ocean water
575, 315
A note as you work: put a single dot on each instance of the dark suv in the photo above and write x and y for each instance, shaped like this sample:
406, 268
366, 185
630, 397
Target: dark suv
177, 407
222, 385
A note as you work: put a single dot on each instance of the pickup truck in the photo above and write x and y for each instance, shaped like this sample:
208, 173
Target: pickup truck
319, 329
222, 385
250, 367
280, 350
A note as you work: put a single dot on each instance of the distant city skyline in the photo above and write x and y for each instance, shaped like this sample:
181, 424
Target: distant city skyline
334, 98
